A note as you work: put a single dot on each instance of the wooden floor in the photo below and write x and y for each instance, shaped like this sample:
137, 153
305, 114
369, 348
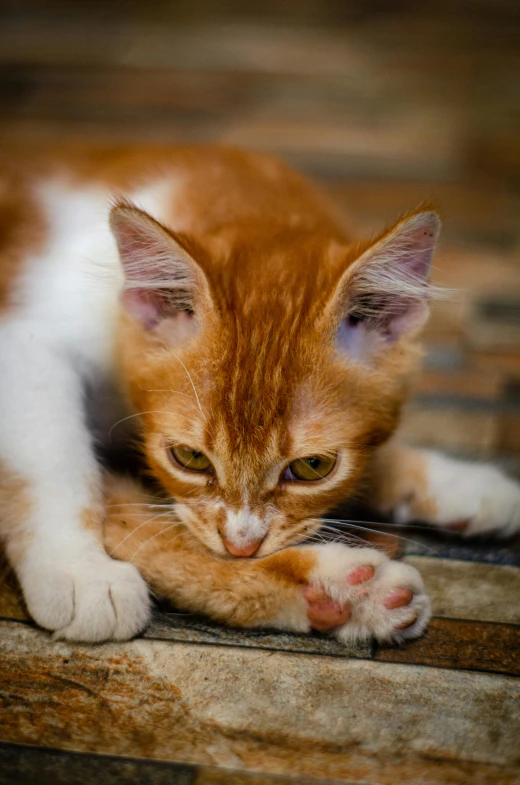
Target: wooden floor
384, 109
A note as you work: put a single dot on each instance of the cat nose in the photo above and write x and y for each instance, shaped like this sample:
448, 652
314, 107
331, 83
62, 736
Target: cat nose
245, 550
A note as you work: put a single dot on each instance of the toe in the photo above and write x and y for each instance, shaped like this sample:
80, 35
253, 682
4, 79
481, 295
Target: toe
322, 611
94, 619
326, 615
315, 593
360, 574
397, 598
131, 606
50, 599
406, 624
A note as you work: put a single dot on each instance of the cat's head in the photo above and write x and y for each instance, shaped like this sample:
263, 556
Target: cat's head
267, 367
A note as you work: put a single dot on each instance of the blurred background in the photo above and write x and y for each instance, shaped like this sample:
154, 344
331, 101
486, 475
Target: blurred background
383, 103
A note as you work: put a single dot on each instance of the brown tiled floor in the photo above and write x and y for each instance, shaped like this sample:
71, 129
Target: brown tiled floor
384, 109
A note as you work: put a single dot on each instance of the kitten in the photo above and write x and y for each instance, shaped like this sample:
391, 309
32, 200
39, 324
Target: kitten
219, 304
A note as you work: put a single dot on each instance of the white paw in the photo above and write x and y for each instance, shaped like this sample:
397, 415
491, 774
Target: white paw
467, 497
92, 598
362, 595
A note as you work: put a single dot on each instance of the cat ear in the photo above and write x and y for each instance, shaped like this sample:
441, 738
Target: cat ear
162, 280
385, 293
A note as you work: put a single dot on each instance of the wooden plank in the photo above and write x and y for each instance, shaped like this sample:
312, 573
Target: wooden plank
508, 430
447, 643
449, 428
25, 765
485, 217
462, 384
450, 643
466, 590
428, 541
188, 628
352, 720
21, 764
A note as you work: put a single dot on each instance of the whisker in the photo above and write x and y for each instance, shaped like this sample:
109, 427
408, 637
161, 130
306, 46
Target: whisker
134, 531
163, 531
356, 525
191, 382
175, 613
355, 538
131, 416
424, 526
344, 541
176, 392
334, 530
139, 504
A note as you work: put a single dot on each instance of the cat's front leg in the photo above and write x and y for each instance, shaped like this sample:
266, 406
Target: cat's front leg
424, 485
51, 511
358, 593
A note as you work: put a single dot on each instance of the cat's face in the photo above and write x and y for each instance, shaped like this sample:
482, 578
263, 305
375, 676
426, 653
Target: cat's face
263, 395
252, 445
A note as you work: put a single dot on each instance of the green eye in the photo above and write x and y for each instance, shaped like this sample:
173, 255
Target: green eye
190, 459
314, 468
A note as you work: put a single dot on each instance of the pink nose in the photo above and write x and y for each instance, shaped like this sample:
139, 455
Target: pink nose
247, 550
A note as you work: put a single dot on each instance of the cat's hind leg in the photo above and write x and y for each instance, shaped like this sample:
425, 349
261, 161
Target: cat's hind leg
51, 511
461, 496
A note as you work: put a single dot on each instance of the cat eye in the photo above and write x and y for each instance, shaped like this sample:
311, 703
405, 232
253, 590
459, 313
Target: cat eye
190, 459
309, 469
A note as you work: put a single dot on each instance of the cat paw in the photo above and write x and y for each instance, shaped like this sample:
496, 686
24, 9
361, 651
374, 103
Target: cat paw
91, 599
361, 594
467, 498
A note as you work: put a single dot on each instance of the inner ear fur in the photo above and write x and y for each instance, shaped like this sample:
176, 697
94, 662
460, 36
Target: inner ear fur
386, 289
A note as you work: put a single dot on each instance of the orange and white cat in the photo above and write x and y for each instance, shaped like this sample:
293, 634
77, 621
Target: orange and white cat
218, 302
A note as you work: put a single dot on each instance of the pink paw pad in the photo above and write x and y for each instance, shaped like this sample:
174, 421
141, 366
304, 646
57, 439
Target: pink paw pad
360, 574
323, 612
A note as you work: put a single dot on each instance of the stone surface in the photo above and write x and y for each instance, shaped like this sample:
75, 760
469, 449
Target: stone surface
345, 719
